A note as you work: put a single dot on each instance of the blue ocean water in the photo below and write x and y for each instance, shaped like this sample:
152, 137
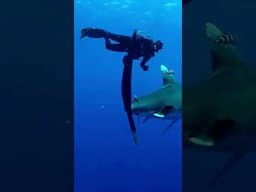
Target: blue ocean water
106, 159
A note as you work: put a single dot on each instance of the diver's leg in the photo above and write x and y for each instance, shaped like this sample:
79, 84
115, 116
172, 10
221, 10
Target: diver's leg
93, 33
115, 46
122, 39
100, 33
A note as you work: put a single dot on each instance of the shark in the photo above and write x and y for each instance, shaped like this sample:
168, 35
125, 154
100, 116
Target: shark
164, 103
219, 111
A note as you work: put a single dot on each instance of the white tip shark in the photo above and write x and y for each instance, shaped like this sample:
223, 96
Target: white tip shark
163, 103
219, 112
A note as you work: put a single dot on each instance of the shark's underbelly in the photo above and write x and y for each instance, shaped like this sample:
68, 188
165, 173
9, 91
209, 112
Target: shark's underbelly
223, 99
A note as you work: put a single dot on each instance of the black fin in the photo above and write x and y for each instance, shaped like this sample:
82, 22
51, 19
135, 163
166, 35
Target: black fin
126, 93
133, 127
92, 32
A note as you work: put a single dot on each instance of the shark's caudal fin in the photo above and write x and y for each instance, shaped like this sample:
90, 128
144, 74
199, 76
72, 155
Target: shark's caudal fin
223, 55
168, 77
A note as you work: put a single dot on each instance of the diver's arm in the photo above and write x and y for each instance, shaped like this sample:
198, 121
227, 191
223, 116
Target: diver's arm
143, 63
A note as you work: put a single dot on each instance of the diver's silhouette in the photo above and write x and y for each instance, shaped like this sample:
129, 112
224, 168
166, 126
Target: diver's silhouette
141, 46
136, 46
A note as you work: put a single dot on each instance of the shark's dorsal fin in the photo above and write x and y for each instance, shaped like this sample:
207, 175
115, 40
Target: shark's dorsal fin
223, 55
168, 75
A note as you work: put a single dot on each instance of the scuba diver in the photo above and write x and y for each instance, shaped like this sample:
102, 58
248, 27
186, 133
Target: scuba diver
143, 46
136, 46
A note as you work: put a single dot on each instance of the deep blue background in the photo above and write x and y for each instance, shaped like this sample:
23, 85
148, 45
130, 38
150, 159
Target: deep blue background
36, 100
106, 159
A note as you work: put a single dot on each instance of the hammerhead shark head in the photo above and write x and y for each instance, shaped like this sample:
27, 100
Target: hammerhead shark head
219, 112
163, 103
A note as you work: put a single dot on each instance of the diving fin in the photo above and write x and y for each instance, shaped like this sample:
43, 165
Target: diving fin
133, 128
92, 32
126, 94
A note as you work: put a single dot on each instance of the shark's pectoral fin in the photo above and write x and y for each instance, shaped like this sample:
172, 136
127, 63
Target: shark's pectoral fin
149, 116
170, 125
202, 140
229, 164
220, 130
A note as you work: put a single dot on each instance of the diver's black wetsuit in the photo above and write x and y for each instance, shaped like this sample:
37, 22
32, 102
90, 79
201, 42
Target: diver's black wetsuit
142, 47
136, 46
